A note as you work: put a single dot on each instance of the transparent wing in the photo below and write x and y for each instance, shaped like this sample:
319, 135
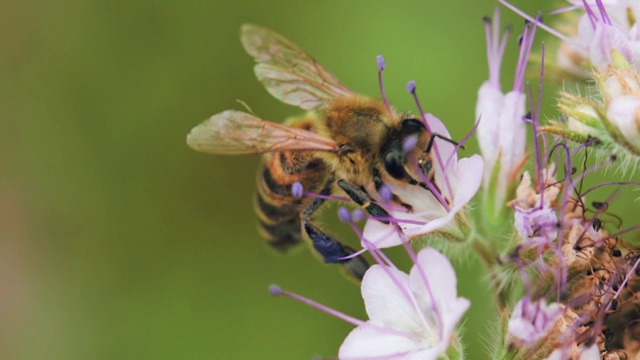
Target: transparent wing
288, 72
236, 133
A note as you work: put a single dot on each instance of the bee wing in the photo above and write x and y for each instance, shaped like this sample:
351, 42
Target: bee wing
288, 72
236, 133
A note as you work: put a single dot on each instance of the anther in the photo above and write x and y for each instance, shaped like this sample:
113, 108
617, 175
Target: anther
409, 143
297, 190
275, 290
357, 215
381, 66
344, 215
385, 193
616, 253
411, 87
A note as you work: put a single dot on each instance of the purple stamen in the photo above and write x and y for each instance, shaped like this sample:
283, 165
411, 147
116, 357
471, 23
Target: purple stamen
429, 185
277, 291
592, 16
381, 66
357, 215
525, 50
535, 123
398, 220
603, 12
344, 215
354, 255
411, 87
297, 190
435, 151
624, 282
423, 275
540, 25
565, 9
461, 143
495, 47
379, 257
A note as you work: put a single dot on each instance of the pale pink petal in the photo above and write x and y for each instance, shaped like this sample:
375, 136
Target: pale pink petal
437, 127
466, 178
386, 302
441, 283
488, 109
606, 38
439, 274
368, 343
512, 136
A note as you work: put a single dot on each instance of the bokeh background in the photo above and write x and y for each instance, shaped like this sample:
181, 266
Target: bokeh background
117, 241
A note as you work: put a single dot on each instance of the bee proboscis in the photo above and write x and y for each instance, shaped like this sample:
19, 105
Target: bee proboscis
345, 143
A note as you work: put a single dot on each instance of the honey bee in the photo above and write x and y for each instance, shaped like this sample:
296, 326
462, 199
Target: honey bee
345, 143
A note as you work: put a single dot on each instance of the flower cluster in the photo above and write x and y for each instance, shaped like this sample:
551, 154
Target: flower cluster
561, 262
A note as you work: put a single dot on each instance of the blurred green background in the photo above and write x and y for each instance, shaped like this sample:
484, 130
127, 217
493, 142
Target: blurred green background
117, 241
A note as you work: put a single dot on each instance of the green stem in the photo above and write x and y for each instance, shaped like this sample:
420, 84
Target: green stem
489, 256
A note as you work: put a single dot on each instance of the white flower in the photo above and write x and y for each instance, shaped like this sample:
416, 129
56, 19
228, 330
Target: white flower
457, 181
501, 129
624, 113
536, 226
410, 316
532, 320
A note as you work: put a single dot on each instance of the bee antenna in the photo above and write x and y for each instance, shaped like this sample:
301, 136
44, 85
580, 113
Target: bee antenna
381, 66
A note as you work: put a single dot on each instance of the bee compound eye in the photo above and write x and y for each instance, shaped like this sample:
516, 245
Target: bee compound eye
394, 164
411, 126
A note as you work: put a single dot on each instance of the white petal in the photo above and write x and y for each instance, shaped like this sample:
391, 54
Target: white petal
386, 301
445, 149
439, 274
467, 180
488, 109
368, 343
624, 112
512, 134
442, 286
605, 39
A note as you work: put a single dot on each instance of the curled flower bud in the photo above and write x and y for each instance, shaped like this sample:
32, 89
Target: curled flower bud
611, 121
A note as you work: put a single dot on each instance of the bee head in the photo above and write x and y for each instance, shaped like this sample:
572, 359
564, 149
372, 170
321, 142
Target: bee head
408, 139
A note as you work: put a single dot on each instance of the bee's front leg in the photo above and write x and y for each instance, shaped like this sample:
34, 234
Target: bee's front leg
363, 200
331, 250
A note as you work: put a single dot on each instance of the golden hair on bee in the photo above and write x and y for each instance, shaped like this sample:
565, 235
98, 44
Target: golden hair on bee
346, 144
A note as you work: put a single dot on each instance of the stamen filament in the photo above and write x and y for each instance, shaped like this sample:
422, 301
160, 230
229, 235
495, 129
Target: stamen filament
540, 25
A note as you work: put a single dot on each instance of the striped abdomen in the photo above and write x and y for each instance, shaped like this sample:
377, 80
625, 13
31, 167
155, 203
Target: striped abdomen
279, 212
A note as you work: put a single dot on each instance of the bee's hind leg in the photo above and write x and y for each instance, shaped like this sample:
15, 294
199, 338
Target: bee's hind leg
331, 250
